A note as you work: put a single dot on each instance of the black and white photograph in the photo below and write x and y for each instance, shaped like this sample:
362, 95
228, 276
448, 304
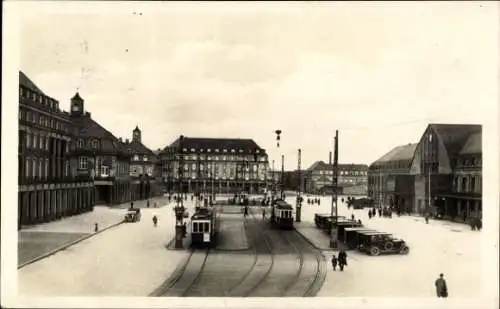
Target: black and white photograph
250, 154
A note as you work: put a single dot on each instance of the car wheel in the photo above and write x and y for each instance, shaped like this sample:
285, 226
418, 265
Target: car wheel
374, 251
405, 250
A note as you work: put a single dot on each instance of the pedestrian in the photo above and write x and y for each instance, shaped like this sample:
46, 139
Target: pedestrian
155, 220
359, 221
352, 217
342, 258
441, 288
147, 203
263, 213
245, 214
131, 205
427, 218
96, 227
334, 262
369, 214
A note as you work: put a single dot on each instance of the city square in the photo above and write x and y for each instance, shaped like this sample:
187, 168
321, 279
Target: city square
306, 159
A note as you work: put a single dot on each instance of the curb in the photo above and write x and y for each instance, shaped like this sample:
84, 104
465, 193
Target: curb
313, 244
38, 258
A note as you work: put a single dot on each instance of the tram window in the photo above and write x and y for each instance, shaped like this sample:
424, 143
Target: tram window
195, 227
206, 227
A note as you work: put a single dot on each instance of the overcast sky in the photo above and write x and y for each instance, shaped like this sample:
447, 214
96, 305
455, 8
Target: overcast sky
377, 72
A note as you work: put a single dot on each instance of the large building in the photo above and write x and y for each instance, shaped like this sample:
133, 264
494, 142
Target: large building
49, 185
100, 155
389, 179
144, 180
442, 173
318, 178
448, 152
220, 164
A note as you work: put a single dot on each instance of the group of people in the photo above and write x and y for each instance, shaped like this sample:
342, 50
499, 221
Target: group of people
313, 201
341, 260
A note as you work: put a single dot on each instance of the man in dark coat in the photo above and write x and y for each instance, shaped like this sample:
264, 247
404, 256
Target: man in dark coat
441, 288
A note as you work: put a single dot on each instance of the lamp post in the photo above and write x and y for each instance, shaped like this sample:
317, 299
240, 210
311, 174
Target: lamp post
278, 138
333, 229
429, 197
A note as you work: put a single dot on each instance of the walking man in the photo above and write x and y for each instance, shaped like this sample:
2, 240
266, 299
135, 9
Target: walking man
441, 289
155, 220
334, 262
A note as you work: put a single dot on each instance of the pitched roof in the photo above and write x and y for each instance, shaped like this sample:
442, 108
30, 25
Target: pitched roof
28, 83
473, 144
247, 145
399, 153
454, 136
139, 148
320, 165
87, 127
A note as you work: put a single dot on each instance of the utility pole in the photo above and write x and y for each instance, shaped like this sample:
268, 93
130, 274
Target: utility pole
282, 175
179, 209
429, 173
299, 198
333, 229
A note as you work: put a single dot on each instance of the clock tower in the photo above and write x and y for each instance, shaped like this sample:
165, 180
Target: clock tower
76, 105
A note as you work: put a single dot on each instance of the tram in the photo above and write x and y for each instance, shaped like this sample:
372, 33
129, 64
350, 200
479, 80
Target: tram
282, 215
204, 227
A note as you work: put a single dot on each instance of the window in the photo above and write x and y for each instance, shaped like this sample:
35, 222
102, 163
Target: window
223, 158
47, 167
35, 141
145, 158
27, 168
42, 142
28, 140
47, 142
34, 166
40, 167
192, 149
233, 151
33, 96
21, 92
80, 143
95, 143
105, 171
66, 168
136, 158
216, 150
208, 150
464, 184
473, 184
52, 123
83, 163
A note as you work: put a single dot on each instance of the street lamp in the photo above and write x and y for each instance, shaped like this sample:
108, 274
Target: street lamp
333, 231
180, 211
429, 171
299, 198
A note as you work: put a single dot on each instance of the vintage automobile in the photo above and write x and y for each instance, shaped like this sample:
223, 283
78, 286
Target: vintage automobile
375, 243
350, 237
133, 215
360, 202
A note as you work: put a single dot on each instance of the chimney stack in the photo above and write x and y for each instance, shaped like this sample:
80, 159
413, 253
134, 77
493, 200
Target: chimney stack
330, 160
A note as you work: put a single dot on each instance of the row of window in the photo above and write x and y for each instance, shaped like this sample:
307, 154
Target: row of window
101, 169
217, 150
38, 98
225, 176
39, 167
341, 180
139, 170
200, 227
42, 120
470, 162
224, 158
345, 173
467, 184
94, 143
35, 141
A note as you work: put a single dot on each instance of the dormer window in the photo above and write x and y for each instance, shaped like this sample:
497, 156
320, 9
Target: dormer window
184, 149
257, 151
95, 143
80, 143
216, 150
145, 158
224, 150
33, 96
233, 151
241, 150
209, 150
201, 150
192, 149
40, 99
136, 157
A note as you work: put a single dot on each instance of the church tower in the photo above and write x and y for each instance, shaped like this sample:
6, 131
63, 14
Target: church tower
77, 107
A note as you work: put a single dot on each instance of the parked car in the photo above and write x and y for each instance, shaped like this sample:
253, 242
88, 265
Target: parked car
375, 243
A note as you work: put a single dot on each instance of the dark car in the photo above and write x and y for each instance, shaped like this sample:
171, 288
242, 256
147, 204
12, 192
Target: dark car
350, 237
375, 243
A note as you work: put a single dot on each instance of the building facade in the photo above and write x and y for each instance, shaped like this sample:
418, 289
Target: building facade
144, 180
49, 188
441, 174
98, 154
446, 155
389, 179
218, 165
352, 178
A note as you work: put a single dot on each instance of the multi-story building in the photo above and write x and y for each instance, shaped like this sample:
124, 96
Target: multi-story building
144, 183
49, 188
440, 174
218, 164
389, 179
438, 161
318, 178
98, 154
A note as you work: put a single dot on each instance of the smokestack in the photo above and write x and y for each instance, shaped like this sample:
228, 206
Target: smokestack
330, 161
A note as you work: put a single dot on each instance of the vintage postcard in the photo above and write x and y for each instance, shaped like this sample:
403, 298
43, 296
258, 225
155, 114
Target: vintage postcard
250, 155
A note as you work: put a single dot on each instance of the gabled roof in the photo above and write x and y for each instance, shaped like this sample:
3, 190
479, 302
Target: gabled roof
399, 153
473, 145
86, 127
28, 83
320, 165
247, 145
139, 148
454, 136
